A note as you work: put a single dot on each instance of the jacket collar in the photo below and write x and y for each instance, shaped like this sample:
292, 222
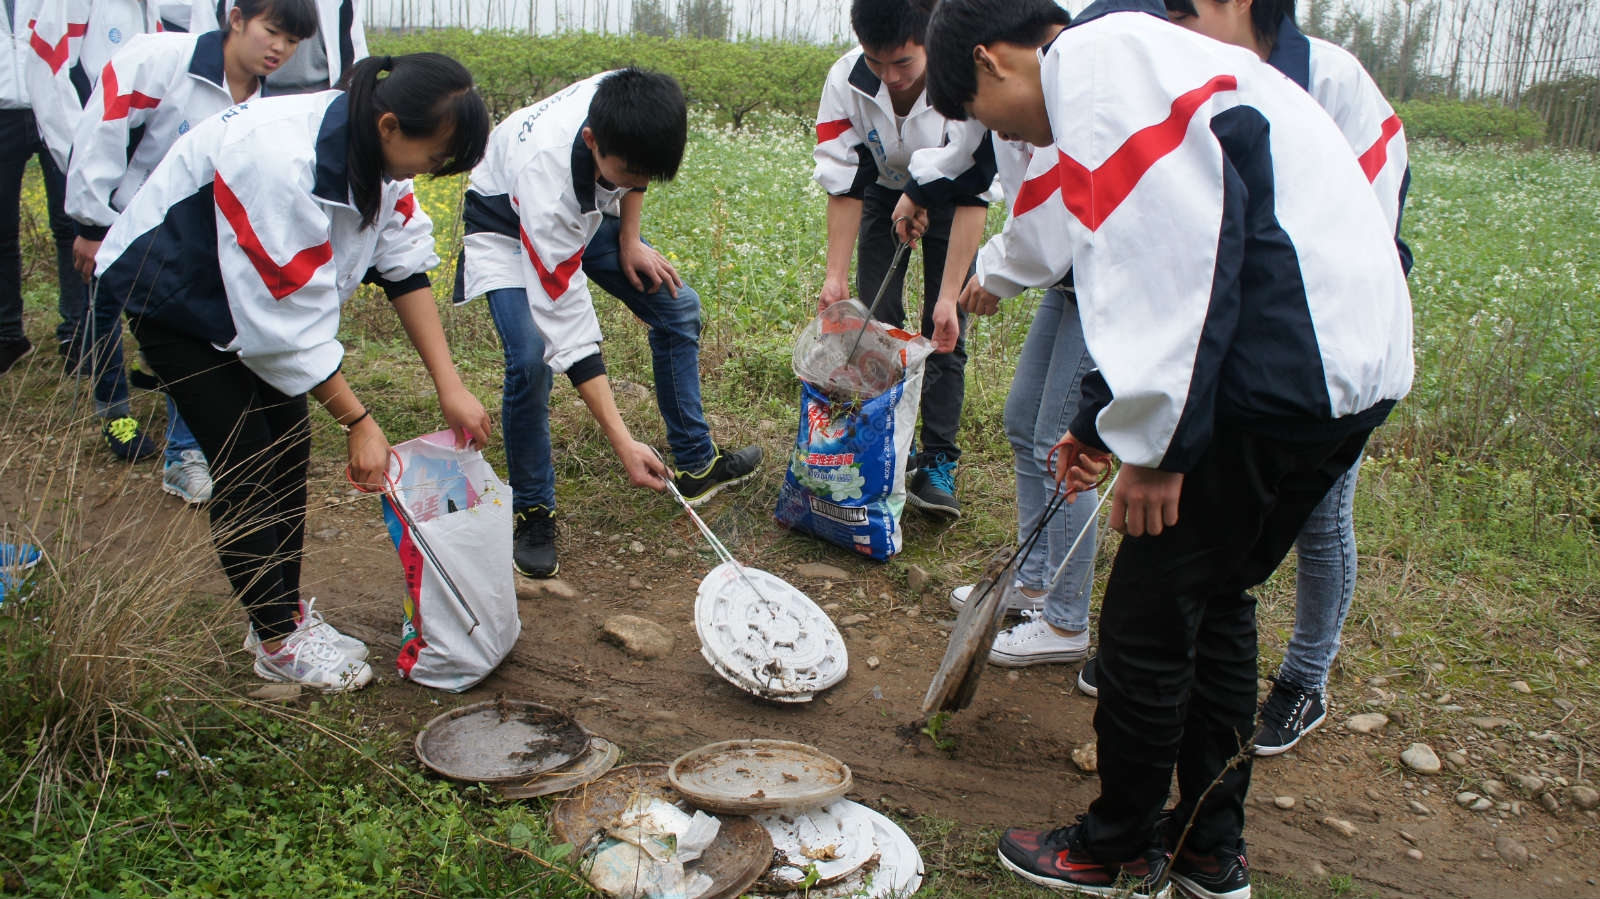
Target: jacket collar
207, 60
333, 142
1106, 7
1291, 54
862, 79
583, 170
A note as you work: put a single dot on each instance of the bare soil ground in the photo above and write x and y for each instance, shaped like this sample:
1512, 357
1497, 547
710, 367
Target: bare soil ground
1010, 762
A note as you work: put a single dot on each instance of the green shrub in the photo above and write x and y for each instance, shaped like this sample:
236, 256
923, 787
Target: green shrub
1466, 124
734, 79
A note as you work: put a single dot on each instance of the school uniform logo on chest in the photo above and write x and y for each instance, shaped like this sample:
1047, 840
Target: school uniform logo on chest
114, 35
183, 127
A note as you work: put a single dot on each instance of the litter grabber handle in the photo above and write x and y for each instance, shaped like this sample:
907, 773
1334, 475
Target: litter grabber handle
1071, 450
710, 535
392, 491
900, 251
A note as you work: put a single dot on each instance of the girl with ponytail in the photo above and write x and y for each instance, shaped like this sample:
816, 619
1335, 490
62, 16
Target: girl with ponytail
235, 259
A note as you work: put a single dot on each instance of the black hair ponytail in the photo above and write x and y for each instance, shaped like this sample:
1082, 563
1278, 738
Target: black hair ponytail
427, 92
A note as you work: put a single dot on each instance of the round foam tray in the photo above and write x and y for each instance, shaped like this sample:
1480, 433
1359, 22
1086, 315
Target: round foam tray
742, 777
831, 842
501, 741
895, 869
772, 640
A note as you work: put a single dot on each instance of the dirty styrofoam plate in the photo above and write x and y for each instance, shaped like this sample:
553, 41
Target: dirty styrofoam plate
740, 853
956, 681
771, 641
500, 741
600, 757
831, 842
742, 777
895, 870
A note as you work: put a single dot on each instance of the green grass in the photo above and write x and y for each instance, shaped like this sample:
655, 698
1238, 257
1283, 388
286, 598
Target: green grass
1478, 518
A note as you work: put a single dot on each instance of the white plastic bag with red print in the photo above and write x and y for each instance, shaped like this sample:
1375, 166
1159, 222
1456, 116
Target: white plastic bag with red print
450, 519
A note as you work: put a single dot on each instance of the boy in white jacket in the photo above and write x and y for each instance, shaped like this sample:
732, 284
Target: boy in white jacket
1325, 578
555, 204
879, 140
149, 95
1240, 294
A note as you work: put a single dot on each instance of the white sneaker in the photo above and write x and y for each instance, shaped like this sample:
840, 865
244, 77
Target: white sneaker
1035, 642
1018, 603
188, 479
308, 658
311, 619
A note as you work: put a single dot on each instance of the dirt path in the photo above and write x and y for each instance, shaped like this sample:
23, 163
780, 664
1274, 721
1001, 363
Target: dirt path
1011, 761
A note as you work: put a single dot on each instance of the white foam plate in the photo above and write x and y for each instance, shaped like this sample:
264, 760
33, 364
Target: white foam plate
772, 641
837, 839
895, 870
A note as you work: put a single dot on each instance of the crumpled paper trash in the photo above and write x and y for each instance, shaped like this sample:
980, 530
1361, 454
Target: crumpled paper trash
644, 853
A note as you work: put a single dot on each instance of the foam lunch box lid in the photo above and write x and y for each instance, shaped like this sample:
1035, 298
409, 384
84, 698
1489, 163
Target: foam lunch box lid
771, 641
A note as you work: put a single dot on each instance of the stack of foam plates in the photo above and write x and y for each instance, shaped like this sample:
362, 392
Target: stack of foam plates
765, 637
522, 749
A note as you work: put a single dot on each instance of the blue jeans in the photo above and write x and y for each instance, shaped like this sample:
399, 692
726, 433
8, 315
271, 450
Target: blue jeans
1324, 585
525, 402
674, 323
1042, 402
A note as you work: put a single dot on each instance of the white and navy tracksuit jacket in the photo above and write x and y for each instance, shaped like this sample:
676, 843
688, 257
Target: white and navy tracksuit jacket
860, 141
1341, 86
1227, 269
1335, 79
532, 206
245, 236
15, 50
72, 40
339, 28
148, 96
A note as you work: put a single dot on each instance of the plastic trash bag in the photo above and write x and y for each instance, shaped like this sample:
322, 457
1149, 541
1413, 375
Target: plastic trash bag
846, 481
452, 529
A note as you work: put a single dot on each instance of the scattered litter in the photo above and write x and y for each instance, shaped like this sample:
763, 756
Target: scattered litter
596, 819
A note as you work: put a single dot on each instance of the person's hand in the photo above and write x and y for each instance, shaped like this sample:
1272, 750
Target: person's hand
644, 466
368, 451
83, 250
1145, 500
910, 220
977, 301
465, 416
832, 292
642, 264
946, 326
1078, 466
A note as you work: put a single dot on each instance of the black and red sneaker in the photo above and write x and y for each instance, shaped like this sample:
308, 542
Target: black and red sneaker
1212, 875
1060, 860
